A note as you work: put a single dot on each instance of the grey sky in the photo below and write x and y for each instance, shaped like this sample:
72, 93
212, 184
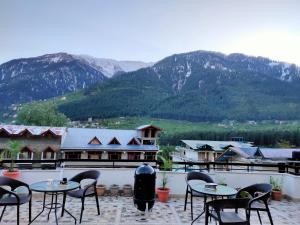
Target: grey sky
149, 30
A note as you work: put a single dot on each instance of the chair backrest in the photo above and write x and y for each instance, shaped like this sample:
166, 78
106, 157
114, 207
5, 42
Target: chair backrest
256, 188
194, 175
90, 174
6, 181
230, 203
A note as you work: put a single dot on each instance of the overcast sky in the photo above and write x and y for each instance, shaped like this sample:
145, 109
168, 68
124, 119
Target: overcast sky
149, 30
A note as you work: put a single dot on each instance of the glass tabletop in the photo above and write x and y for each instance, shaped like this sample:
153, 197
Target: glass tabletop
54, 186
220, 190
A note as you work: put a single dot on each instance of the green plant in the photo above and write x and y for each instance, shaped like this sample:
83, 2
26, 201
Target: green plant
165, 158
11, 151
164, 181
276, 184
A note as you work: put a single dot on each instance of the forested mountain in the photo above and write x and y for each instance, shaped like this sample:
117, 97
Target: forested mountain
197, 86
27, 79
24, 80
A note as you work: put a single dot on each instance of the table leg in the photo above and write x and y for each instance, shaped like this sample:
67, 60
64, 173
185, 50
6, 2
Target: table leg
51, 206
40, 212
55, 209
71, 215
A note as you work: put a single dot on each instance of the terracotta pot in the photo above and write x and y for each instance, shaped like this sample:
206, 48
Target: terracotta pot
114, 190
127, 190
101, 189
163, 194
276, 195
14, 175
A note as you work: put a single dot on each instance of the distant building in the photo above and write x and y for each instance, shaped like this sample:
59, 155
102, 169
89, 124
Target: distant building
111, 144
240, 154
82, 143
203, 150
36, 142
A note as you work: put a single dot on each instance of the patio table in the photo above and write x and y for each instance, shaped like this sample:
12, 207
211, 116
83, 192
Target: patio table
54, 189
220, 191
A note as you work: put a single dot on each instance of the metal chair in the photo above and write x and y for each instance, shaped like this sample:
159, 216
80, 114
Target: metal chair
260, 194
194, 175
87, 191
215, 209
12, 198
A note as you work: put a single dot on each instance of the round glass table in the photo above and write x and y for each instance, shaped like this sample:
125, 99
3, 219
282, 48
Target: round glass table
53, 188
219, 191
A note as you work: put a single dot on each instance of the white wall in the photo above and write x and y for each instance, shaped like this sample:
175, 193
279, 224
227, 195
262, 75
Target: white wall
176, 180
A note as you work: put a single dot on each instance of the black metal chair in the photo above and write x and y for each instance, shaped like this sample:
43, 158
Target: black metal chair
12, 198
218, 209
87, 191
260, 194
194, 175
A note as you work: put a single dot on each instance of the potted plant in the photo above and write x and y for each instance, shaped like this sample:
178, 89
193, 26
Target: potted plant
101, 189
114, 190
165, 158
127, 190
12, 150
276, 189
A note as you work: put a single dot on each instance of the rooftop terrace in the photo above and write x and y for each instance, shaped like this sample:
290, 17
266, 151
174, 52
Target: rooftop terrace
120, 210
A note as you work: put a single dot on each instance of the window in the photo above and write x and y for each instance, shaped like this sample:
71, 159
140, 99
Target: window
114, 155
114, 141
134, 155
95, 141
49, 153
3, 133
73, 155
94, 155
148, 142
25, 153
133, 141
49, 133
150, 155
146, 133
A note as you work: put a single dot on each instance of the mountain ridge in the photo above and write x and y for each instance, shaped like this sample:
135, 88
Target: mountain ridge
197, 86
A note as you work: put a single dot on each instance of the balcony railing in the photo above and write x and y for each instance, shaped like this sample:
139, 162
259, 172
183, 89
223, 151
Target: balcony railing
281, 167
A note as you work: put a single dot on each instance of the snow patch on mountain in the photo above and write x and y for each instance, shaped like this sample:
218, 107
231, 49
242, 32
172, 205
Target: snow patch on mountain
110, 67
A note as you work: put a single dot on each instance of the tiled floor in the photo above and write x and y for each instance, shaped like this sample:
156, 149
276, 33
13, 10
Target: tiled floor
121, 211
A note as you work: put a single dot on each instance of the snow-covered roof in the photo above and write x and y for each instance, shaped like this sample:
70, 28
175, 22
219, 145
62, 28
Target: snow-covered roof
143, 127
215, 145
246, 153
79, 139
33, 130
277, 153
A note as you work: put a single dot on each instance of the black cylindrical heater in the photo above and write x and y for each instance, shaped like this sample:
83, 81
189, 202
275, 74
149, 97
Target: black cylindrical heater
144, 187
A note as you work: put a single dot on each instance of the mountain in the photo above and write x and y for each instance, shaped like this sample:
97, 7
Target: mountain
197, 86
111, 67
27, 79
24, 80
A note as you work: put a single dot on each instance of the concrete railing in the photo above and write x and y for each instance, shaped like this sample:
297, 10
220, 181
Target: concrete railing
176, 180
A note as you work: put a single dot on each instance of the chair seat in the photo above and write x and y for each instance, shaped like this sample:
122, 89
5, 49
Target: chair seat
12, 200
79, 193
230, 217
258, 206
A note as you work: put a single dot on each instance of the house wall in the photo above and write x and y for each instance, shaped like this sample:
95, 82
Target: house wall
176, 180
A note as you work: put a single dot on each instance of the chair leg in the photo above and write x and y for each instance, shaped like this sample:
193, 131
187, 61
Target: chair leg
63, 205
269, 214
2, 213
192, 206
30, 204
186, 197
97, 201
82, 208
18, 215
259, 217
